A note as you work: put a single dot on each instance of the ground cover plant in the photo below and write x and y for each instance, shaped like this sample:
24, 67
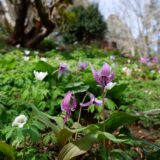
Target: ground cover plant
80, 104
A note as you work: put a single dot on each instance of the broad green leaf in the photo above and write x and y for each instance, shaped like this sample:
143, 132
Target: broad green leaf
118, 119
7, 150
63, 136
110, 104
42, 117
80, 147
75, 84
117, 90
106, 135
78, 87
44, 67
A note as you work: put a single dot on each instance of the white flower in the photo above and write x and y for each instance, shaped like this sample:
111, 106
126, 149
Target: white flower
18, 46
26, 58
112, 58
127, 71
40, 75
20, 121
153, 71
129, 61
110, 85
43, 59
26, 52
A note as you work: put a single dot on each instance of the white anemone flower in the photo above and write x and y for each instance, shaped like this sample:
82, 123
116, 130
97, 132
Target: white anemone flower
43, 59
112, 58
127, 71
26, 58
40, 75
20, 121
110, 85
26, 52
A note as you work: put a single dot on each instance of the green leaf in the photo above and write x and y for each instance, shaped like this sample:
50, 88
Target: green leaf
44, 118
7, 150
118, 119
44, 67
105, 135
78, 148
117, 90
119, 154
75, 84
63, 136
81, 146
110, 104
78, 87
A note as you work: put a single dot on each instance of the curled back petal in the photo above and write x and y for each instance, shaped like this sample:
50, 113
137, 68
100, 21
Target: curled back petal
98, 102
66, 101
96, 75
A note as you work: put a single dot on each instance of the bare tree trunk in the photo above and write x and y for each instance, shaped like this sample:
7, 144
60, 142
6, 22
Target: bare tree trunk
43, 32
21, 13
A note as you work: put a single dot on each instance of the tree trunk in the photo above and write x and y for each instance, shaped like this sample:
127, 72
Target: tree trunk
40, 30
43, 32
21, 13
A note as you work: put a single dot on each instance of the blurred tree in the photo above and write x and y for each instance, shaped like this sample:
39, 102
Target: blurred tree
87, 24
143, 17
34, 19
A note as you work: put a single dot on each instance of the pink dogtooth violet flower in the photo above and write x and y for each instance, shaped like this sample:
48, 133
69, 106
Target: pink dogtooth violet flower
93, 100
104, 76
63, 69
155, 60
144, 60
82, 66
68, 104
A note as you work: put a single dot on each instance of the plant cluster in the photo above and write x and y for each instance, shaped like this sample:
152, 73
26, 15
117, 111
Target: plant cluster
60, 106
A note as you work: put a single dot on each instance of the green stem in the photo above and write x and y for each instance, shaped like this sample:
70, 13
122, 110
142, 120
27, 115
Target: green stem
54, 72
79, 115
103, 110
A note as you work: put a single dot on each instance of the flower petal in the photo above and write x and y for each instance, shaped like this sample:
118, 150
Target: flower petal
110, 85
98, 102
105, 70
96, 75
65, 105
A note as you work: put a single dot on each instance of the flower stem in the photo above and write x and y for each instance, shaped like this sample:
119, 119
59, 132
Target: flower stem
103, 111
79, 115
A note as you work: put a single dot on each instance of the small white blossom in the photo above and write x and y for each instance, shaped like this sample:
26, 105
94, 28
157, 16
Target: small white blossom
20, 121
26, 58
26, 52
112, 58
18, 46
153, 71
129, 61
40, 75
43, 59
127, 71
110, 85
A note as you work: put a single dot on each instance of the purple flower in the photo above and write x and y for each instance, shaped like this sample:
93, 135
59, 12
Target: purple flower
63, 69
155, 60
104, 76
93, 100
68, 104
82, 66
144, 60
